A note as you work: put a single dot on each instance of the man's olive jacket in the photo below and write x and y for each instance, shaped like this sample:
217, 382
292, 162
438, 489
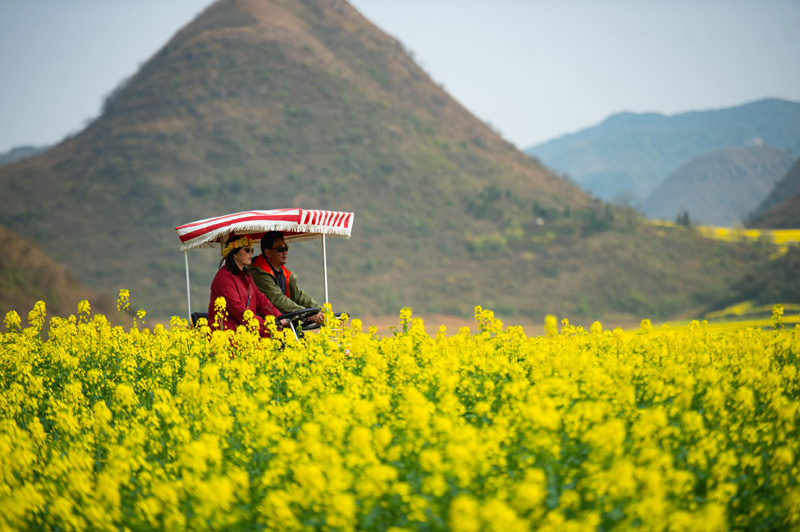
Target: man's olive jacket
265, 280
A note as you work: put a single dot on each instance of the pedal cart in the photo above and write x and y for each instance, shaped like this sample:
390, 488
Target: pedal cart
297, 225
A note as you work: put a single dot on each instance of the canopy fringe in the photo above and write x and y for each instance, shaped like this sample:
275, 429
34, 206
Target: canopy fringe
308, 233
254, 224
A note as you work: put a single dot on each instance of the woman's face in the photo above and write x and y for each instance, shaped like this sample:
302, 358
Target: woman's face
243, 257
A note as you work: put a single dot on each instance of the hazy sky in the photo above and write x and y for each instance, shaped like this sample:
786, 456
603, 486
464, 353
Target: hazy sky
533, 69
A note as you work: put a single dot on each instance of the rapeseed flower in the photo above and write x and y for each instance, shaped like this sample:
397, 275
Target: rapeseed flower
123, 300
664, 429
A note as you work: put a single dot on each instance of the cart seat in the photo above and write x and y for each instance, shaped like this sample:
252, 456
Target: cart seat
197, 315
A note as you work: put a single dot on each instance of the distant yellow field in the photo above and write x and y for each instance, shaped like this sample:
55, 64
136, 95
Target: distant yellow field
729, 325
747, 308
743, 315
783, 238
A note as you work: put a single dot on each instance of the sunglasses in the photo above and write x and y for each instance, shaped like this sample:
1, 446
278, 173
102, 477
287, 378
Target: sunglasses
247, 250
281, 250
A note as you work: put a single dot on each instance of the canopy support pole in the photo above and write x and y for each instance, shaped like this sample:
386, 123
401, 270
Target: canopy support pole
188, 291
325, 266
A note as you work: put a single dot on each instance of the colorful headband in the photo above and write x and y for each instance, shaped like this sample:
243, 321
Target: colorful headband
241, 242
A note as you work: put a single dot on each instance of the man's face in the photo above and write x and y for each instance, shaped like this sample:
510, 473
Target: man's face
278, 254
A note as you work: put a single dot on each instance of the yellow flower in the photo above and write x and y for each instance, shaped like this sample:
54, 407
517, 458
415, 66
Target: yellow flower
124, 395
777, 316
36, 315
463, 515
123, 301
497, 516
551, 325
102, 415
12, 320
220, 310
341, 512
84, 307
531, 492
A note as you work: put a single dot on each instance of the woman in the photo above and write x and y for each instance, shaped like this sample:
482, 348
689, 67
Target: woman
238, 289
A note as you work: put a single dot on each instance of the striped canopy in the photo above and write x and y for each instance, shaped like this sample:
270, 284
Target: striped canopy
296, 225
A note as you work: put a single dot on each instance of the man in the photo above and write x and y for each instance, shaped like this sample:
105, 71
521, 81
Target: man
274, 279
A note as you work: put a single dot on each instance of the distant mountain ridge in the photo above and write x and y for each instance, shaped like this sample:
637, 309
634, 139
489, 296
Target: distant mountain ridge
20, 152
721, 188
628, 155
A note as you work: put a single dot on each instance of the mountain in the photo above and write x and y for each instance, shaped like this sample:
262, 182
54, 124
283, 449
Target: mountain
783, 191
628, 155
28, 274
721, 187
20, 152
285, 103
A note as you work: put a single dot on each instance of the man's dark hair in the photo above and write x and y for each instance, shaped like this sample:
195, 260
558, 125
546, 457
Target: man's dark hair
269, 239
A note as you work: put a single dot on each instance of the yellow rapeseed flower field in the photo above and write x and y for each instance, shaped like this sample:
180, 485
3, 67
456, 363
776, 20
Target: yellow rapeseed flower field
105, 428
782, 238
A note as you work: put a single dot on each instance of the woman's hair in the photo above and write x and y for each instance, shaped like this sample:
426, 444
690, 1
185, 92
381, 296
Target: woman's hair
229, 262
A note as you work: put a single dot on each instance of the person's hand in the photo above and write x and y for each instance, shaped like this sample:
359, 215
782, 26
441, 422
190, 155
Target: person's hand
283, 323
319, 317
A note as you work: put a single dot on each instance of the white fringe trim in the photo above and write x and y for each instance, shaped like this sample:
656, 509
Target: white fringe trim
218, 238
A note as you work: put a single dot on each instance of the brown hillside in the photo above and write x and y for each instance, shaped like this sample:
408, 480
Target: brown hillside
28, 275
784, 189
285, 103
781, 208
785, 215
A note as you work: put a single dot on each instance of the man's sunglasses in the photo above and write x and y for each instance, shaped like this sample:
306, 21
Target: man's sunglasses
281, 250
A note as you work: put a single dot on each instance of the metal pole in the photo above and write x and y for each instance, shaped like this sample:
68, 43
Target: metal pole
325, 266
188, 291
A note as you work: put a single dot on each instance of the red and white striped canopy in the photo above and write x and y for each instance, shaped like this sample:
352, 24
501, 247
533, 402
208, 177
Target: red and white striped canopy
296, 225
